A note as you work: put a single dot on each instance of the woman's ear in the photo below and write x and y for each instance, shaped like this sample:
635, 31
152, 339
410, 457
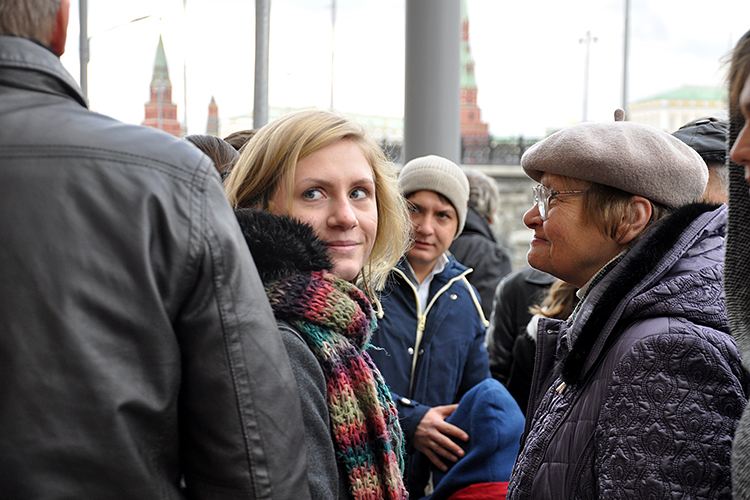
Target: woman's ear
635, 219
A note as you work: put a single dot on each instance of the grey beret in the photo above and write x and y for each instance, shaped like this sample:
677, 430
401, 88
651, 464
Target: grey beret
438, 174
635, 158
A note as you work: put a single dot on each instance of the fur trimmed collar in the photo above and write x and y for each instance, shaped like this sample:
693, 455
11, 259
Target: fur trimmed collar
645, 256
281, 246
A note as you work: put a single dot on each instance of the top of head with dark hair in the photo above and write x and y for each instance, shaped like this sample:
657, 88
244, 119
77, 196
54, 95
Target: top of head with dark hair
240, 138
221, 152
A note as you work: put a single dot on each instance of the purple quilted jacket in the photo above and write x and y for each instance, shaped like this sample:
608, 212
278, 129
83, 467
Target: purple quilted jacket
639, 395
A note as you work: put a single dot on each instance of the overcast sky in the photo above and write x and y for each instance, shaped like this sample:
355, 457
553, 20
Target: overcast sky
529, 62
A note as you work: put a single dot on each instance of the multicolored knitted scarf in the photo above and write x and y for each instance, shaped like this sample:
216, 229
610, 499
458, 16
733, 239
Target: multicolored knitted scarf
336, 321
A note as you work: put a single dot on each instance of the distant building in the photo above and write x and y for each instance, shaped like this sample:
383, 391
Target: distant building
671, 110
475, 136
212, 127
161, 113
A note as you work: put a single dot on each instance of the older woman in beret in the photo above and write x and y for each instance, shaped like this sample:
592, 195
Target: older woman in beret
638, 393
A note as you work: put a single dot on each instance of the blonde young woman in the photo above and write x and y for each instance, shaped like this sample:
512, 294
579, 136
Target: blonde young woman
328, 225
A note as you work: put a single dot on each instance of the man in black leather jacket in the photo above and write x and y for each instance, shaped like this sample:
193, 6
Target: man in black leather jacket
138, 355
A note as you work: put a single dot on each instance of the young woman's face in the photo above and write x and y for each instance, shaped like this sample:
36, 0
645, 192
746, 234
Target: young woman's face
741, 150
567, 245
434, 222
334, 192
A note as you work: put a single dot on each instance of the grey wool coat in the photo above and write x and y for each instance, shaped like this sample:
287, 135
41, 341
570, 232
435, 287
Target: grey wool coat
639, 394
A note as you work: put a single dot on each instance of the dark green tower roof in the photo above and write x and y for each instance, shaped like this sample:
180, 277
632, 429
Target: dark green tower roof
161, 72
467, 61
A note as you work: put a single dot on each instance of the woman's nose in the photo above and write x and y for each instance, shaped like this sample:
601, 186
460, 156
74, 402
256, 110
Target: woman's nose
342, 215
740, 152
423, 225
532, 218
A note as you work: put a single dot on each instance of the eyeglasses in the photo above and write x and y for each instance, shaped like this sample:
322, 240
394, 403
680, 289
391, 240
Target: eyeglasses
542, 195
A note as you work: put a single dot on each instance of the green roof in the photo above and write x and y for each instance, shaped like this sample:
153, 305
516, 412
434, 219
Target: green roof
467, 68
467, 61
161, 72
692, 94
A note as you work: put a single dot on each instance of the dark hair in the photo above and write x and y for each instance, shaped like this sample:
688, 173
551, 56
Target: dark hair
739, 71
442, 197
220, 151
240, 138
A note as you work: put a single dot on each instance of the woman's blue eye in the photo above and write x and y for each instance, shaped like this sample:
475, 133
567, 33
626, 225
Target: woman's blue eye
312, 194
358, 194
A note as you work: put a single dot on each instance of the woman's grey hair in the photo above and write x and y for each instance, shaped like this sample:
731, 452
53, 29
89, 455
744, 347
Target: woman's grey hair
31, 19
483, 193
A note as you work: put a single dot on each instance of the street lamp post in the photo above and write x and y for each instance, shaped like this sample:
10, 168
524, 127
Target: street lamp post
184, 62
83, 13
85, 41
626, 49
262, 34
333, 43
587, 41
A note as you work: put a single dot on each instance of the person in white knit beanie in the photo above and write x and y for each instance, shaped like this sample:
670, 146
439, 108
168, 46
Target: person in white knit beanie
430, 341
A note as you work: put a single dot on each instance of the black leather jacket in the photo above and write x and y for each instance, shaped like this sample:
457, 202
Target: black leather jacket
137, 348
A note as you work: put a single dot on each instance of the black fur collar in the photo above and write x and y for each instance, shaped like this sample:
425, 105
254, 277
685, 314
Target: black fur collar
281, 246
649, 253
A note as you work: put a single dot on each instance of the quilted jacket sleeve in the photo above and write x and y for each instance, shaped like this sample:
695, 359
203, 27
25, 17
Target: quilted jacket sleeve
669, 416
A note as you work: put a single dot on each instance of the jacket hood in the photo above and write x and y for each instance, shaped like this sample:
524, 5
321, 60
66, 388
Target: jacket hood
476, 223
665, 273
281, 246
494, 423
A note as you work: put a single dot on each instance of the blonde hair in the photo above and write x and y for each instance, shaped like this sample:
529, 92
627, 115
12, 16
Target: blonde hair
559, 301
608, 207
270, 158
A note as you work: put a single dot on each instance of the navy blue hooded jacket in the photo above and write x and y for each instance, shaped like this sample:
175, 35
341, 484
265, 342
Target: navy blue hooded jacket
494, 423
446, 355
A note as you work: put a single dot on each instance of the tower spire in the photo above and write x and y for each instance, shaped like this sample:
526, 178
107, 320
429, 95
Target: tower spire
161, 70
161, 113
475, 137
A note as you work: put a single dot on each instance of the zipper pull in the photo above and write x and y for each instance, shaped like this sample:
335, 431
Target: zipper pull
560, 388
422, 321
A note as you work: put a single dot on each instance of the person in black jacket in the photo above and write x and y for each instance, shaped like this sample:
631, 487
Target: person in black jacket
511, 312
140, 358
476, 247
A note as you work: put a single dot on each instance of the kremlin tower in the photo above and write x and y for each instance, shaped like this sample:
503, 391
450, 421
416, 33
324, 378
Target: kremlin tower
474, 133
161, 113
212, 127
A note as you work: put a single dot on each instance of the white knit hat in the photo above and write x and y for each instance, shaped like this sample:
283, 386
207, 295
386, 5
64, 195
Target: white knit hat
438, 174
